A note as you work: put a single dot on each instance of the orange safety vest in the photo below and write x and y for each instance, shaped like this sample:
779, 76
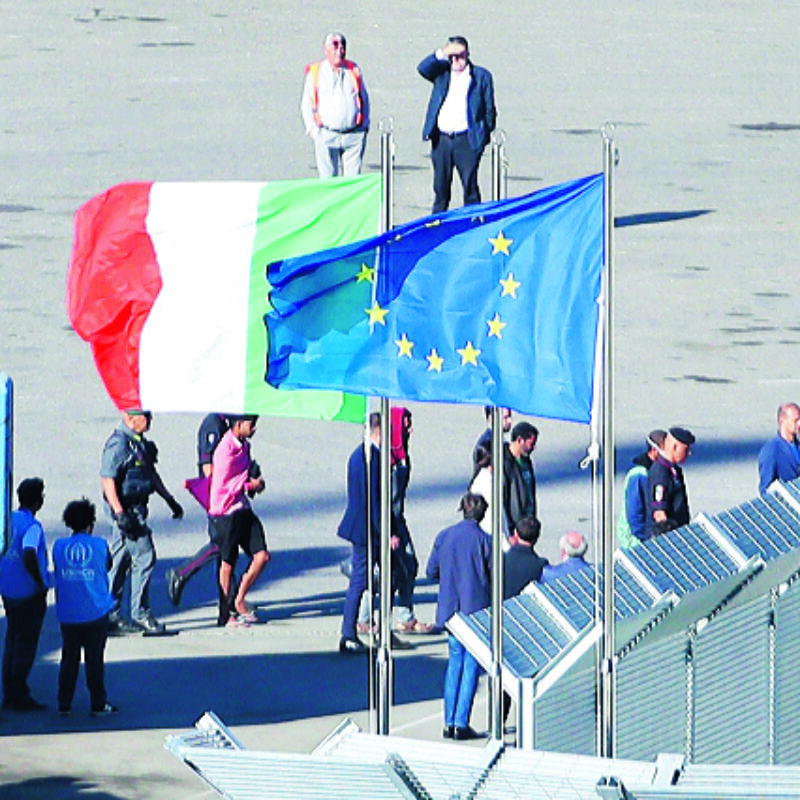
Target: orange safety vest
351, 66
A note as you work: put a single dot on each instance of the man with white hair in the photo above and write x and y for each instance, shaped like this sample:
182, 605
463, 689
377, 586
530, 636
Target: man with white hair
573, 549
335, 110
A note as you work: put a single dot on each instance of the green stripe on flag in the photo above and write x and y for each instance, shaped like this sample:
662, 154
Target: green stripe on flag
296, 218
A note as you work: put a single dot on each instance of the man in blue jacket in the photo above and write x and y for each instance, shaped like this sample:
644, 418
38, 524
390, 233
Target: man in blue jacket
779, 458
355, 527
460, 118
461, 560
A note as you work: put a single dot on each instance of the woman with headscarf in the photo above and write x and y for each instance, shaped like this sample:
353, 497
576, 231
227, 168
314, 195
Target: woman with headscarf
404, 558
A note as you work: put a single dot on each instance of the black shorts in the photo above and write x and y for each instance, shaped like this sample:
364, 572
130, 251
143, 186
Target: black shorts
240, 529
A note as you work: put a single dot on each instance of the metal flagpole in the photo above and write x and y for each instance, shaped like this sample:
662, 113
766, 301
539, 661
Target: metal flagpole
606, 718
384, 667
496, 673
371, 697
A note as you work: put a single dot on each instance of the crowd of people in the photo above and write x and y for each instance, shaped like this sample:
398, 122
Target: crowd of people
89, 574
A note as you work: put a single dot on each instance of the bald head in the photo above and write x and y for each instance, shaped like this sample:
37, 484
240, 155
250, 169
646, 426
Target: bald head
573, 545
788, 420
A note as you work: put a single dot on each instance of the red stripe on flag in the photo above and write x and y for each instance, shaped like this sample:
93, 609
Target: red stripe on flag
113, 281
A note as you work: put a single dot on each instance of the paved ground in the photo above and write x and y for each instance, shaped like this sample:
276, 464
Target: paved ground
708, 129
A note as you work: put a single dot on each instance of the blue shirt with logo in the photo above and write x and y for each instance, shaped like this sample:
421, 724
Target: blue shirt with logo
82, 588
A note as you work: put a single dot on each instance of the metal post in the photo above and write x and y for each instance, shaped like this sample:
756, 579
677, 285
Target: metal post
496, 673
384, 667
371, 693
607, 675
6, 458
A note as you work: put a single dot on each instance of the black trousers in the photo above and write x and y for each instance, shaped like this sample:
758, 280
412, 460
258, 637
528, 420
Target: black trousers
448, 152
24, 620
91, 638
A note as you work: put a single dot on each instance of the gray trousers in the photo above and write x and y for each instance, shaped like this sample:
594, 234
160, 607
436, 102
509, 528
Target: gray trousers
137, 558
339, 153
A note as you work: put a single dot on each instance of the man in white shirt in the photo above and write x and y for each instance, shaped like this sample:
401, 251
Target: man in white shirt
460, 118
335, 110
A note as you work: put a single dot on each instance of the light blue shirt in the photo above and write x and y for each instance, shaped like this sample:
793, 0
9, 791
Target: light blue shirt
15, 580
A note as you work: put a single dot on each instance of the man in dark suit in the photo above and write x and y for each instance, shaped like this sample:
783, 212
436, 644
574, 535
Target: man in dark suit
460, 118
353, 528
521, 563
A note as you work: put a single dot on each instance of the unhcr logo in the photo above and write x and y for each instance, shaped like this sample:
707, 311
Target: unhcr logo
78, 554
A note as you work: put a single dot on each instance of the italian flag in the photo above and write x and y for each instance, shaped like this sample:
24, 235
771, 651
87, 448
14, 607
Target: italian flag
167, 283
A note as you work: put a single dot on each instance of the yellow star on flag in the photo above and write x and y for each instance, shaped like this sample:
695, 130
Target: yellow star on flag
500, 244
469, 354
404, 346
366, 273
496, 326
510, 285
435, 361
376, 314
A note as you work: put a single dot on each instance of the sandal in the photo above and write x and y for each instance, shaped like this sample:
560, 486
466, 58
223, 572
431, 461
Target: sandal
414, 626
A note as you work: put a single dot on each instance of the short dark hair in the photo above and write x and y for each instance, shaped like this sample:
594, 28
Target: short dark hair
30, 493
473, 506
524, 430
374, 420
459, 40
528, 529
234, 418
483, 458
79, 515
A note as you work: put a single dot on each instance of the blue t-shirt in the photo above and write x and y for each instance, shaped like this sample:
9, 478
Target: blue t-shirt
15, 580
82, 588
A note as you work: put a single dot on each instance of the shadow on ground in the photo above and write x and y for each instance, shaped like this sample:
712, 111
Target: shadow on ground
254, 689
60, 786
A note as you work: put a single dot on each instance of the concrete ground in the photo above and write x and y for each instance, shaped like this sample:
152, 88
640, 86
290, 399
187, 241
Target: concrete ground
707, 334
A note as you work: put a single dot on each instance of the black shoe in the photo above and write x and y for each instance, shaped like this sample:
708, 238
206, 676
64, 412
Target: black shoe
104, 711
462, 734
448, 732
64, 711
149, 624
400, 644
351, 646
174, 586
27, 704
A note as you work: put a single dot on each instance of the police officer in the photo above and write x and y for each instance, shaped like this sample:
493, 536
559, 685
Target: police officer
128, 477
667, 501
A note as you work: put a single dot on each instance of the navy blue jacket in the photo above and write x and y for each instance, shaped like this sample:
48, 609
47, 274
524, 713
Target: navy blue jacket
481, 112
353, 527
461, 560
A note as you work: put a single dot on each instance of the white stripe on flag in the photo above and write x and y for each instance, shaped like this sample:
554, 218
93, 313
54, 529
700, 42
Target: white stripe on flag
194, 344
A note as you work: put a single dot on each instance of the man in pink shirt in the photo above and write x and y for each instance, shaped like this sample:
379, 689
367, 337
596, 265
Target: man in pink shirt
236, 478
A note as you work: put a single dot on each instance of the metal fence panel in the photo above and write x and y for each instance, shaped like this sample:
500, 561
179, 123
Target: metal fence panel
651, 699
787, 686
564, 716
731, 662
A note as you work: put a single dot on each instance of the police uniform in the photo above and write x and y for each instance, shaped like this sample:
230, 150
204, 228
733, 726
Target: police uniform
666, 492
130, 460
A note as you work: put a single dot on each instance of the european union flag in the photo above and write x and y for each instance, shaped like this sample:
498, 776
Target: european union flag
492, 304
